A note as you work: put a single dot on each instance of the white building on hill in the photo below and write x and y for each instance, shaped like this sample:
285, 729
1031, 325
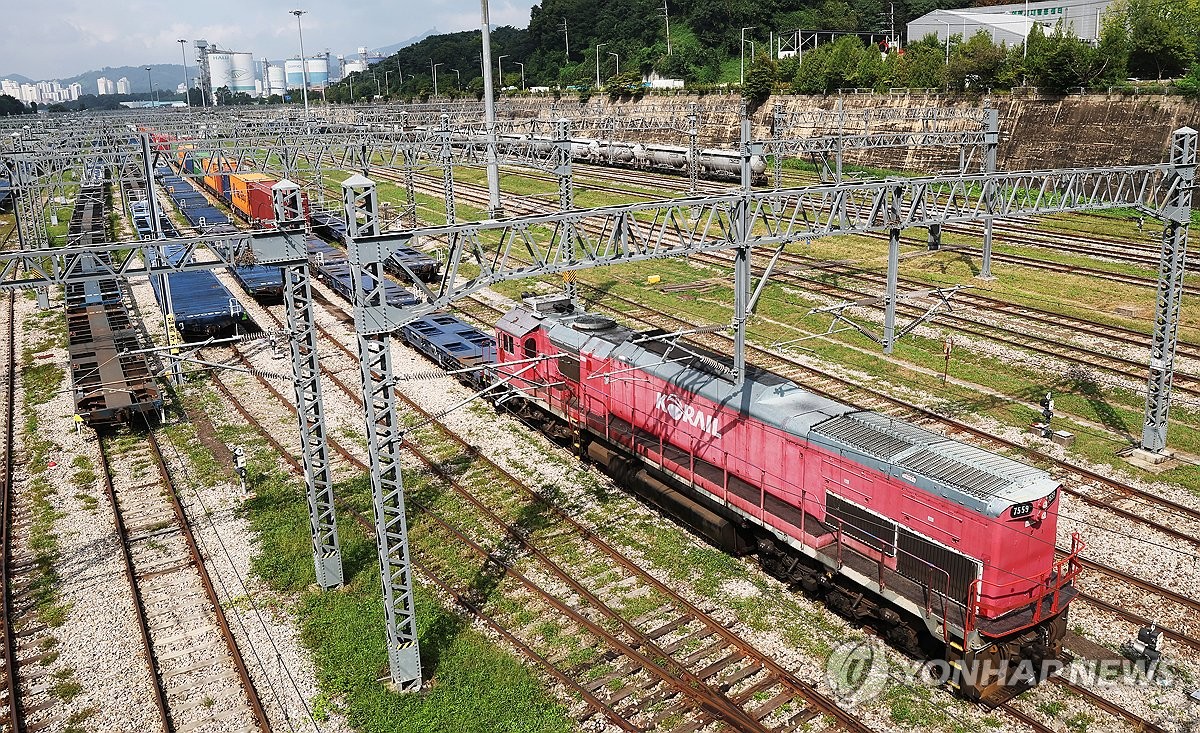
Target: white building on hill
1012, 23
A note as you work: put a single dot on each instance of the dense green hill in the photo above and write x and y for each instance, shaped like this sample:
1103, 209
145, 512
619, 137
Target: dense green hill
1143, 38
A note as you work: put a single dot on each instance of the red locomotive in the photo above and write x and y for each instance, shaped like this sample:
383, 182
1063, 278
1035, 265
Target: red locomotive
947, 548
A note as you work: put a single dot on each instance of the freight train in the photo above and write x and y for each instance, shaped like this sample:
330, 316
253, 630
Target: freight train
947, 549
112, 382
713, 163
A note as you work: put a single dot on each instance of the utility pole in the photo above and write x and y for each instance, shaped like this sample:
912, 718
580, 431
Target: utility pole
667, 19
489, 116
742, 53
598, 47
567, 38
187, 83
304, 69
433, 68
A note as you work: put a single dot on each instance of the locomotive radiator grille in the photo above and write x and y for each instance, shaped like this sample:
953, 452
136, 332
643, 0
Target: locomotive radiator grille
964, 468
863, 436
953, 472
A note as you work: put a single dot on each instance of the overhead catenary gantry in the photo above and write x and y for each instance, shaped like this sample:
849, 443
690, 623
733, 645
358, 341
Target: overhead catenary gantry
743, 222
39, 268
738, 223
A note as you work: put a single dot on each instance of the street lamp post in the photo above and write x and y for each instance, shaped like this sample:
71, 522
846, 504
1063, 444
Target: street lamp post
489, 114
458, 74
187, 83
518, 63
742, 52
500, 64
150, 97
434, 67
385, 81
618, 56
303, 65
598, 47
947, 24
667, 18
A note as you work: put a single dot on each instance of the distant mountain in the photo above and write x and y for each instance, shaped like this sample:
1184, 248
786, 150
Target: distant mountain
169, 76
385, 51
165, 76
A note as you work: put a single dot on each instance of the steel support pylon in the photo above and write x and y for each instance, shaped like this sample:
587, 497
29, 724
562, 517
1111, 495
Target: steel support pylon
306, 375
893, 275
29, 214
566, 201
741, 256
991, 142
360, 205
447, 158
384, 439
287, 203
693, 161
1177, 213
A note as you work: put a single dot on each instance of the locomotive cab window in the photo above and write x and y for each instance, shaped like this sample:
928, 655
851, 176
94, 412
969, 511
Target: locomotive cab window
506, 343
530, 348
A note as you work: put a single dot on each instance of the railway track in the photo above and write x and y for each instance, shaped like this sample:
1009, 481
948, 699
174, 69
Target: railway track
668, 667
11, 704
200, 679
1130, 717
1098, 491
630, 310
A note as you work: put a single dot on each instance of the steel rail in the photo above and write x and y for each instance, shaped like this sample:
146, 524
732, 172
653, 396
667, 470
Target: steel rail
15, 715
139, 608
259, 714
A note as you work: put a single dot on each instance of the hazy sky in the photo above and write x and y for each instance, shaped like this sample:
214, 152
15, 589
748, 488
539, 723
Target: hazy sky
46, 39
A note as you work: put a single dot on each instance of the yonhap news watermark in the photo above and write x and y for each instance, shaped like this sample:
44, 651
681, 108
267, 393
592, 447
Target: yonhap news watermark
859, 671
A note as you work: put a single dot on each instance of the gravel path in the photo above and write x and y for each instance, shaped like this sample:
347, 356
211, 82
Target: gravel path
98, 643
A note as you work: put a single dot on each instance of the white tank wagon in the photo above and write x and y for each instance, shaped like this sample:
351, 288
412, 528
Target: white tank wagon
713, 162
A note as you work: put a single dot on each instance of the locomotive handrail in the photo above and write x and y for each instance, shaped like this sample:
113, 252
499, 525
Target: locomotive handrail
974, 592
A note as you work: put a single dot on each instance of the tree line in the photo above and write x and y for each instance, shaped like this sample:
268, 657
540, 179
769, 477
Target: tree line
1139, 39
568, 41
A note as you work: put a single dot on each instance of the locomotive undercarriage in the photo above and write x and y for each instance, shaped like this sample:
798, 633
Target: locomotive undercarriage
988, 670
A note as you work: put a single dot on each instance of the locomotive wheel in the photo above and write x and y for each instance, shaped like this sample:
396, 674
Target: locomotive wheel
905, 638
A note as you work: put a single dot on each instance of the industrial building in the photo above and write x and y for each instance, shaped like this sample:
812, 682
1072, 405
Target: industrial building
231, 69
317, 68
1012, 23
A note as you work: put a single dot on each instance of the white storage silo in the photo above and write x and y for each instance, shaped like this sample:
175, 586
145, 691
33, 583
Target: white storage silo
220, 70
354, 65
318, 72
241, 73
275, 80
293, 73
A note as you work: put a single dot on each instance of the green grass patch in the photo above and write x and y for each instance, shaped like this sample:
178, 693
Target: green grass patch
472, 685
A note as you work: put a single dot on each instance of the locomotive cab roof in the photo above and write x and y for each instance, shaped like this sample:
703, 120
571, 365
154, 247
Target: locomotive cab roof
977, 479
